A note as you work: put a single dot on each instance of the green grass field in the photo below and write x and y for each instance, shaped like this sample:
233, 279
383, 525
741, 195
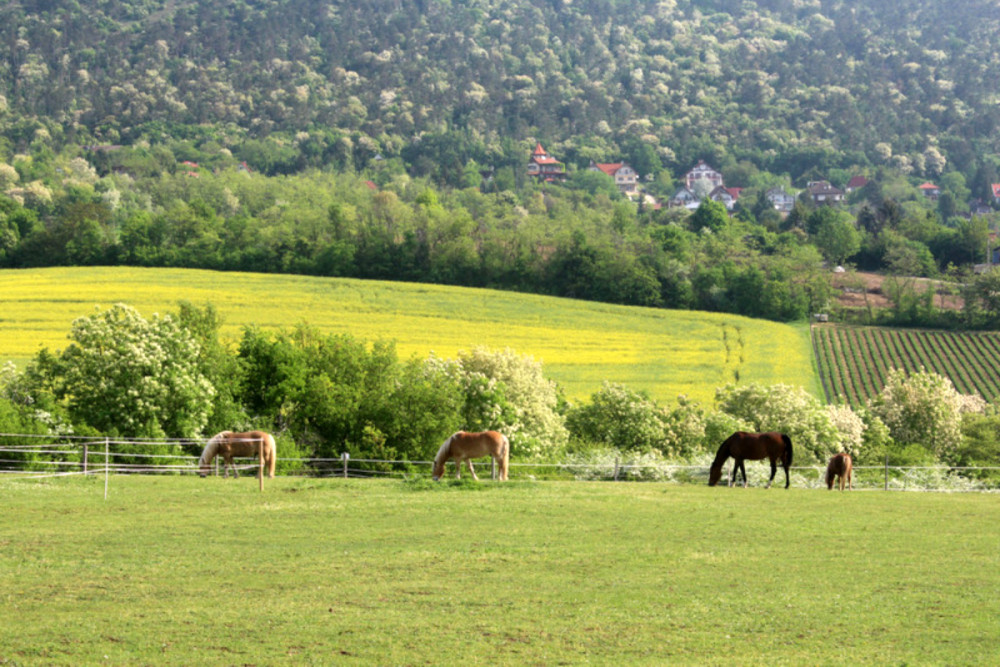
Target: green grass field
581, 344
181, 570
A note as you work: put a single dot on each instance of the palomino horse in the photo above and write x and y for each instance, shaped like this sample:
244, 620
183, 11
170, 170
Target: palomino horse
229, 444
839, 469
754, 446
462, 446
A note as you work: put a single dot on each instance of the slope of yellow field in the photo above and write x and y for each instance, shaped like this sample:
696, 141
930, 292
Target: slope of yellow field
581, 344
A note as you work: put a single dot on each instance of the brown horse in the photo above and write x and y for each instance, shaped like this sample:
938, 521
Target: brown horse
462, 446
839, 468
228, 444
754, 446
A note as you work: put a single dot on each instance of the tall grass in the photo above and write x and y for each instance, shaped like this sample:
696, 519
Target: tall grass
179, 570
581, 344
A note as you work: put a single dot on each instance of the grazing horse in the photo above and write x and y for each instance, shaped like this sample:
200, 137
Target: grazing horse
462, 446
839, 468
754, 446
229, 444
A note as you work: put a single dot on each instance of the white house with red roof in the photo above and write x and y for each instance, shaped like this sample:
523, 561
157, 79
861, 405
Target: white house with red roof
544, 167
625, 177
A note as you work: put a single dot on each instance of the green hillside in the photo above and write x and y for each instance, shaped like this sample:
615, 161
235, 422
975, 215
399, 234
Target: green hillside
581, 344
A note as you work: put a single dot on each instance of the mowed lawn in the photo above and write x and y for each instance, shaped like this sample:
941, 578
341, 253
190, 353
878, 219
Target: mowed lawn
186, 571
580, 344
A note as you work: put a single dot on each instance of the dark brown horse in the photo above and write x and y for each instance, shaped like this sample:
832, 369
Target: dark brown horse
839, 469
754, 446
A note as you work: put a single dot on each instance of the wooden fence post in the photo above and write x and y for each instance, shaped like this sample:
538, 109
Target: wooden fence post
345, 457
86, 450
886, 472
617, 461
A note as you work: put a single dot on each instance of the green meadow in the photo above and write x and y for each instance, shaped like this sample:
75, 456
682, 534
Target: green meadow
187, 571
580, 344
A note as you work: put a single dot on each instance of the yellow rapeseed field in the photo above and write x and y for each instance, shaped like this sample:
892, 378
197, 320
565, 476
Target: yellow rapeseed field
581, 344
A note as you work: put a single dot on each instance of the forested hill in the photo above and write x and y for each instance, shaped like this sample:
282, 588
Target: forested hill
796, 86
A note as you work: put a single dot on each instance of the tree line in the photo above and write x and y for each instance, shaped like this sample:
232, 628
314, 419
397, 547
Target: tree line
126, 376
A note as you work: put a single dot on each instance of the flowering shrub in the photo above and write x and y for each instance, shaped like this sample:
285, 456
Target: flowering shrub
623, 419
133, 377
924, 408
531, 421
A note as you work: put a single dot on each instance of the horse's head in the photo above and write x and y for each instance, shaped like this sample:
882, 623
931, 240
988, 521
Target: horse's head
714, 474
208, 454
441, 458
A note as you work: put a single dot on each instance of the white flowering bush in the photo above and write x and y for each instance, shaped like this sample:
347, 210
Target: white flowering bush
133, 377
531, 421
924, 408
850, 429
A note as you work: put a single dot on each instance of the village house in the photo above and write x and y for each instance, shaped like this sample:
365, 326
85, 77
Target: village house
930, 190
856, 183
684, 198
726, 196
995, 189
702, 178
544, 167
625, 177
822, 192
782, 201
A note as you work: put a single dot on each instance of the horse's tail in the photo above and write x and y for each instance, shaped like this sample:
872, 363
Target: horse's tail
504, 458
788, 449
272, 455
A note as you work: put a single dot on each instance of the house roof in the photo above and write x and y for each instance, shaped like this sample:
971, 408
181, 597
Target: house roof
928, 186
857, 182
539, 150
609, 168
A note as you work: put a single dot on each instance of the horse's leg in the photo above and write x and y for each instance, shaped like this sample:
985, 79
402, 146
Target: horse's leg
774, 470
472, 470
787, 481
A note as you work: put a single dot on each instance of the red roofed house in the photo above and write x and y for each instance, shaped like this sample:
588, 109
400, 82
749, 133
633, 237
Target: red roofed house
624, 175
544, 167
995, 188
930, 190
856, 183
726, 196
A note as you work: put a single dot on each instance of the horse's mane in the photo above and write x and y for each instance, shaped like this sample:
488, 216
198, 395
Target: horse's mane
722, 454
212, 447
445, 448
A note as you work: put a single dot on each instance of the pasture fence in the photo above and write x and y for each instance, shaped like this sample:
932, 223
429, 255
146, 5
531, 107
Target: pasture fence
29, 456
